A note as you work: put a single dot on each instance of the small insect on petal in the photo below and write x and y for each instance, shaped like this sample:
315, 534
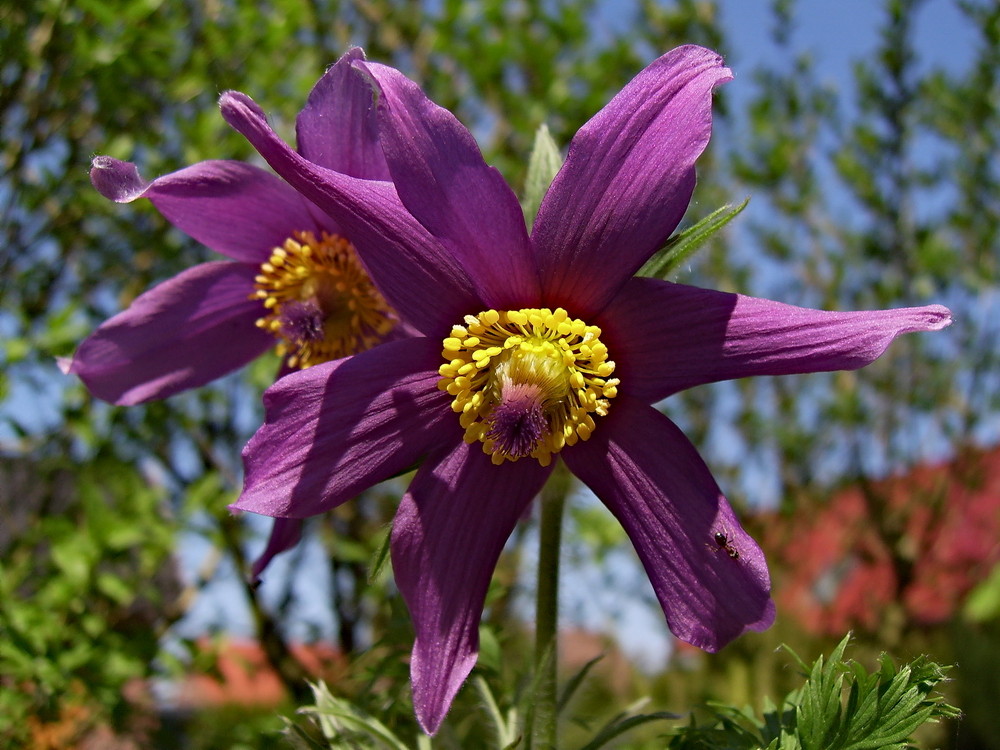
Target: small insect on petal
723, 542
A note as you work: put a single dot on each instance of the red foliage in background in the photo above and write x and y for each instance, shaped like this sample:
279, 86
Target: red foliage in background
921, 541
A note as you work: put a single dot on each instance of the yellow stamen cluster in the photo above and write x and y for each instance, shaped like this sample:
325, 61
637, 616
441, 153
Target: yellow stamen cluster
320, 302
561, 358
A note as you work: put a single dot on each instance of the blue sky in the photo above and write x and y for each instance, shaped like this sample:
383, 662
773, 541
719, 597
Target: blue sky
839, 31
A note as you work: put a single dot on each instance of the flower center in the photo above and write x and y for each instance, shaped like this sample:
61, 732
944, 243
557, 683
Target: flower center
527, 382
320, 302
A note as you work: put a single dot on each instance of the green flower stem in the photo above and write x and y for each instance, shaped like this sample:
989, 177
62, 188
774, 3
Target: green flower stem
547, 609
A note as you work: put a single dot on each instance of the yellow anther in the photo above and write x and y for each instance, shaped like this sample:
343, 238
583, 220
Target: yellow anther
556, 364
319, 301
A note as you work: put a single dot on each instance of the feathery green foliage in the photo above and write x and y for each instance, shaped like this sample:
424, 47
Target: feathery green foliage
841, 706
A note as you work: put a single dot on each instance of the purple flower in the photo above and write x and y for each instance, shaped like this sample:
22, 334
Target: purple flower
293, 280
551, 349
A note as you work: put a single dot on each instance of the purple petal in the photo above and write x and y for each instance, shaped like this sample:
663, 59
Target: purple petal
447, 536
421, 280
627, 180
655, 483
443, 181
117, 180
667, 337
180, 334
285, 534
338, 428
337, 129
234, 208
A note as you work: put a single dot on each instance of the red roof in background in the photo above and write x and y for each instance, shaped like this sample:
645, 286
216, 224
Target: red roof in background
245, 678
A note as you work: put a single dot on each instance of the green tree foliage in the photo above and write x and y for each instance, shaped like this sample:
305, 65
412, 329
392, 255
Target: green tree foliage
87, 588
839, 704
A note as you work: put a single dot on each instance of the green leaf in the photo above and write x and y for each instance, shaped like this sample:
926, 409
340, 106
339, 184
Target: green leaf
543, 164
983, 603
681, 246
841, 706
115, 588
338, 717
574, 683
299, 738
882, 710
490, 653
381, 556
622, 723
505, 727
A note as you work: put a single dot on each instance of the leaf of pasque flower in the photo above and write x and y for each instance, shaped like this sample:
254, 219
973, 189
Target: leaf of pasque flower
506, 727
818, 716
624, 722
338, 716
882, 711
883, 708
381, 555
544, 162
682, 245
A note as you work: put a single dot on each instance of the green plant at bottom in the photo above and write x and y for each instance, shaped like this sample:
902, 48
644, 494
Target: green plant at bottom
841, 706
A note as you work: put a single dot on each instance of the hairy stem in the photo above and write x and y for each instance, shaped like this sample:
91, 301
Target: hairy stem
547, 609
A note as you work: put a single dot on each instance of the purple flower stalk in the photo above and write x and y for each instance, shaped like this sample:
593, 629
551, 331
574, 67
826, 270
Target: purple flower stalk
534, 348
293, 280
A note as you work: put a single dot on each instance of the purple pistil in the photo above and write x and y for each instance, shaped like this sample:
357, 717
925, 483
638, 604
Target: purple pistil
302, 322
517, 423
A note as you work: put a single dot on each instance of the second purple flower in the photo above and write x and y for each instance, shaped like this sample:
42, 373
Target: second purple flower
293, 279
